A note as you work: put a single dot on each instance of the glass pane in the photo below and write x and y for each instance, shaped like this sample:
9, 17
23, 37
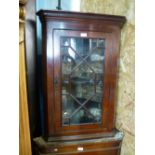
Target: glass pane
68, 106
82, 117
82, 80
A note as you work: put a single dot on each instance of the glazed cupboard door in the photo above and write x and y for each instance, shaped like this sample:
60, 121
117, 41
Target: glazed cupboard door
81, 85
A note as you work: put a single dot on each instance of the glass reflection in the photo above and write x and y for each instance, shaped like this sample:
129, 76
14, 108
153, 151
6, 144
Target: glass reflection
82, 80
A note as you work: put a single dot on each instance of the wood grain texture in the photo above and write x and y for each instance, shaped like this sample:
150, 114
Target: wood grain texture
101, 146
61, 23
56, 24
48, 14
24, 132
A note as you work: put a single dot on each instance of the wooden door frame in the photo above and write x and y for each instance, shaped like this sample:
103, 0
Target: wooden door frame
24, 129
89, 128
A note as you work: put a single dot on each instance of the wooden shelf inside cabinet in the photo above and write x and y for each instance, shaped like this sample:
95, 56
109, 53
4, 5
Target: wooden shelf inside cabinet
80, 54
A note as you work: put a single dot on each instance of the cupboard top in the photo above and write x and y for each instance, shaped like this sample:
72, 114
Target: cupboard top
52, 14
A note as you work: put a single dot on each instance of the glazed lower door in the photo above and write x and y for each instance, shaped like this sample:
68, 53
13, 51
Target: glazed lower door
81, 81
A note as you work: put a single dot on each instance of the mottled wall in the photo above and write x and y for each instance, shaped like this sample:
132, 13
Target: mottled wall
125, 99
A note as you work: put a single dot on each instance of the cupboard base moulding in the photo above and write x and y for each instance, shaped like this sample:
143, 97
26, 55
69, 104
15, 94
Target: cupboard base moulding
98, 146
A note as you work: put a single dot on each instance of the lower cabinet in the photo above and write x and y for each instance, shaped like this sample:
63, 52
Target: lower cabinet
100, 146
106, 152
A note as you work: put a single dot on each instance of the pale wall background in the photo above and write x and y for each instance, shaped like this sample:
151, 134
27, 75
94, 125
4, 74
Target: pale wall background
125, 98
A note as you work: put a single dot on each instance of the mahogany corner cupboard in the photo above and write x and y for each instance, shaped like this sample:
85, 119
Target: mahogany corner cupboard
79, 58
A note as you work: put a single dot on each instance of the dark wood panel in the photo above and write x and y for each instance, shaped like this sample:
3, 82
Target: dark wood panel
54, 24
76, 129
98, 152
105, 146
60, 15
